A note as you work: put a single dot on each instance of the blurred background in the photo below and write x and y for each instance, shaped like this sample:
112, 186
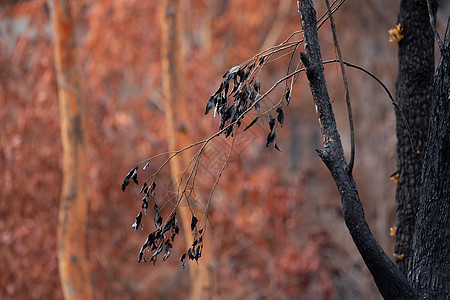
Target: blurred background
278, 228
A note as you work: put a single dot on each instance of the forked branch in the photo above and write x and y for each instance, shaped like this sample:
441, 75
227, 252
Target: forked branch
390, 281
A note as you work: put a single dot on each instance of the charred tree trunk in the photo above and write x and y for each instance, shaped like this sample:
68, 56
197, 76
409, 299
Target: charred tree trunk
430, 272
414, 93
423, 192
391, 283
72, 262
173, 80
423, 204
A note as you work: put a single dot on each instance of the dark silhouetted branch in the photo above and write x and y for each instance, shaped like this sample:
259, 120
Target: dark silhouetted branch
391, 283
347, 94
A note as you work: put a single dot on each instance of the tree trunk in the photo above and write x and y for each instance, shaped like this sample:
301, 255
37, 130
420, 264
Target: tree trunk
72, 262
414, 86
430, 274
176, 105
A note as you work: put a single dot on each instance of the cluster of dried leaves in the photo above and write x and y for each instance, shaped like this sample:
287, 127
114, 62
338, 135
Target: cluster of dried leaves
233, 104
157, 241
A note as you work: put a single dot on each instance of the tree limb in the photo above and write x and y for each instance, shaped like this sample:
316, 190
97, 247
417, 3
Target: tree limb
391, 283
347, 94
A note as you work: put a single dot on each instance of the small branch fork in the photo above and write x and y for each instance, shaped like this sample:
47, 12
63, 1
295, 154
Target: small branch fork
391, 283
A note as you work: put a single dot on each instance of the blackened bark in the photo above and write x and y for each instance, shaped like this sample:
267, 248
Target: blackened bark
414, 92
430, 273
391, 283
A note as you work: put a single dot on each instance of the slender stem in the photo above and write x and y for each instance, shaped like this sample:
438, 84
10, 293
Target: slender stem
347, 94
433, 26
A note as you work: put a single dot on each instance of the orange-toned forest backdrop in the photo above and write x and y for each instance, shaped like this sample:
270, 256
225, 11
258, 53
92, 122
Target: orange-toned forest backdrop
278, 230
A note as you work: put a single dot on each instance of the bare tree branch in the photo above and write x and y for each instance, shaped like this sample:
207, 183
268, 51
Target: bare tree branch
391, 283
433, 26
347, 94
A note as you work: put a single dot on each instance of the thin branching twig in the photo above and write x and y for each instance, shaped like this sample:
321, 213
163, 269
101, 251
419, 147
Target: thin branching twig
347, 94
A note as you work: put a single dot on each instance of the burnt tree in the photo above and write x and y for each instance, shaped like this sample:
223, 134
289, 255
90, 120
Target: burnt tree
425, 204
414, 96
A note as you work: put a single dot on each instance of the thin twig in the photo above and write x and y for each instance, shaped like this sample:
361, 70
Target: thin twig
325, 16
405, 122
219, 175
433, 26
347, 95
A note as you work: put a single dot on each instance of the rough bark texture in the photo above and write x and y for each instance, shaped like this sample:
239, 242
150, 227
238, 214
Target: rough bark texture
430, 271
391, 283
173, 80
414, 86
72, 261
